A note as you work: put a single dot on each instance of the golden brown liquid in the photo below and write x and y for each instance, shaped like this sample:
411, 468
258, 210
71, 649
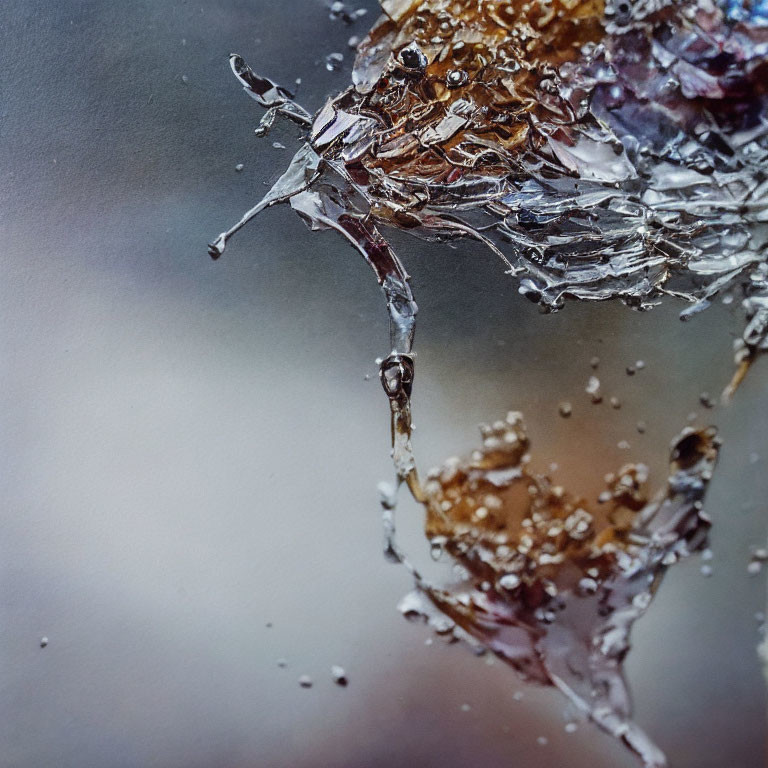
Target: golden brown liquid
495, 58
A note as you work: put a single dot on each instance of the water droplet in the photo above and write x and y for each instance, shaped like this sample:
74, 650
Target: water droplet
278, 145
631, 370
587, 586
518, 696
571, 727
333, 61
706, 570
565, 409
339, 676
43, 642
184, 79
593, 389
456, 78
413, 58
706, 400
465, 707
759, 556
615, 403
239, 167
594, 362
542, 741
509, 581
305, 681
282, 663
641, 427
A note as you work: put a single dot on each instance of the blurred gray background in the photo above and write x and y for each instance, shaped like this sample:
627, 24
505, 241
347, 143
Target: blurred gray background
190, 450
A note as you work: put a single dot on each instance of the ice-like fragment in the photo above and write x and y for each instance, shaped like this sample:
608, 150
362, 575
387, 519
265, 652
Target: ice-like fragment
558, 600
603, 152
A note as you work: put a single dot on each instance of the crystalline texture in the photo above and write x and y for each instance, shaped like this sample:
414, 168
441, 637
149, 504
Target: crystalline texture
602, 149
553, 585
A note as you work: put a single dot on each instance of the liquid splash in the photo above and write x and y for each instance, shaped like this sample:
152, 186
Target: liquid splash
549, 583
601, 149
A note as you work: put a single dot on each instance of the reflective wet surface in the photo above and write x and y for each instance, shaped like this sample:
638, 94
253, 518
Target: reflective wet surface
191, 449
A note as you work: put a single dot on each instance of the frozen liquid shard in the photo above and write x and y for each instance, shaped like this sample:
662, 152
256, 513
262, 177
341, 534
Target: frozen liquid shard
601, 149
552, 585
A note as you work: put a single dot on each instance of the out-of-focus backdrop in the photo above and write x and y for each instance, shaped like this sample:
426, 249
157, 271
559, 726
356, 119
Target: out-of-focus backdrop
190, 450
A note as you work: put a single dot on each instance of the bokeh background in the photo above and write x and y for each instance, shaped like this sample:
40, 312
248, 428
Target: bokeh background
190, 450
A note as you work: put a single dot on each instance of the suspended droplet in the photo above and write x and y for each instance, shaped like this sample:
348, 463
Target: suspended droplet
593, 389
339, 676
333, 61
